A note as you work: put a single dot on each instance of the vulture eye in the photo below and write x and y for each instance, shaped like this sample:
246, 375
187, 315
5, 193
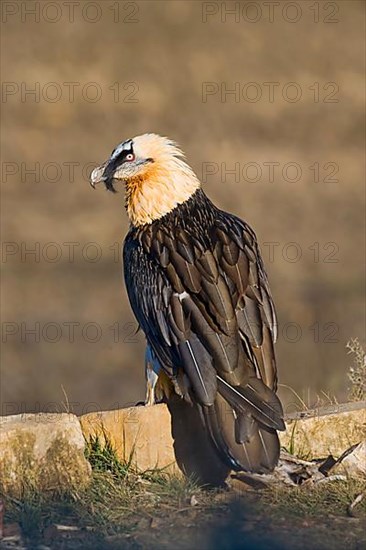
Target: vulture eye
130, 156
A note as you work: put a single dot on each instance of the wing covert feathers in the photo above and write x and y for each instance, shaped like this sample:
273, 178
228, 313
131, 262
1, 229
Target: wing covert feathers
198, 289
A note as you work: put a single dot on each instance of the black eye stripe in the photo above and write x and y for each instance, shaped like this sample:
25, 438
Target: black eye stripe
121, 157
116, 161
122, 150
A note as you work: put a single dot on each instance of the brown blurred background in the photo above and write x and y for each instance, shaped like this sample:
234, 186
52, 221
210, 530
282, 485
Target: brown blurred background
164, 57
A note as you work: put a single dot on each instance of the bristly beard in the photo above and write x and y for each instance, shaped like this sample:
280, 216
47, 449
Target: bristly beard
109, 184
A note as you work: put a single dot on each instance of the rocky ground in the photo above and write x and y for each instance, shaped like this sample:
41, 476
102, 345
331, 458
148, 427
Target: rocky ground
123, 509
213, 520
68, 483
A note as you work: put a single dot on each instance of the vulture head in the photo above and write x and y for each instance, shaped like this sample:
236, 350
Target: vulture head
154, 174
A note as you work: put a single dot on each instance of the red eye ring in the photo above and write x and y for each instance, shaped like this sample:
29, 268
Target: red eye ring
130, 156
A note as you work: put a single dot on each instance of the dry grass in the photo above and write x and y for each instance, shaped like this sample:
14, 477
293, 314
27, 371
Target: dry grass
357, 372
321, 500
129, 509
117, 497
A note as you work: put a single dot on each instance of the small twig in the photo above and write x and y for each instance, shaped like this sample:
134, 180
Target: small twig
1, 519
336, 477
67, 403
295, 394
186, 509
353, 504
67, 527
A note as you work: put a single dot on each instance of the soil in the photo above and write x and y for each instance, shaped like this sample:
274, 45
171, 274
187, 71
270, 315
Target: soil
225, 521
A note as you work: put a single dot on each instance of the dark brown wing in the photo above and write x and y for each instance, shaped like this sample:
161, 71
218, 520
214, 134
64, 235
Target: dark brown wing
199, 291
238, 256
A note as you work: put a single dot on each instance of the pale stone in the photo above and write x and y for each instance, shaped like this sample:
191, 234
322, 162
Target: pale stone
157, 437
331, 430
143, 435
43, 452
139, 435
46, 451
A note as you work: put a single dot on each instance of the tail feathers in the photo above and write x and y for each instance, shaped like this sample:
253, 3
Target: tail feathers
240, 441
255, 399
198, 366
245, 427
212, 419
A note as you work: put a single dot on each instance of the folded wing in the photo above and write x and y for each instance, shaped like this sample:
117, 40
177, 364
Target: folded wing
202, 298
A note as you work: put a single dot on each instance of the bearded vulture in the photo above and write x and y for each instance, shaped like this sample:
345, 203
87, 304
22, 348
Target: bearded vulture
197, 286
